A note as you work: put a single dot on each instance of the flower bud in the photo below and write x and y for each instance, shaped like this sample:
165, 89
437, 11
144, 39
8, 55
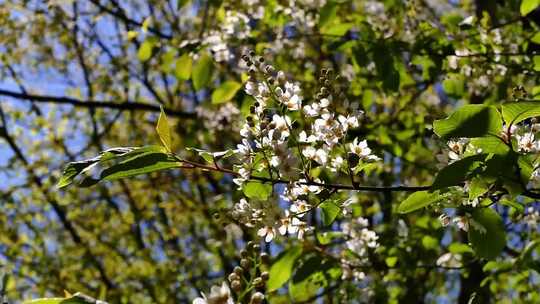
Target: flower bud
265, 258
238, 270
258, 282
265, 275
257, 298
256, 247
245, 263
243, 253
236, 285
233, 277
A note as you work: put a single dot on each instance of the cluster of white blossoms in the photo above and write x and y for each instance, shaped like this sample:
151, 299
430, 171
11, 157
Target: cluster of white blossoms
234, 26
359, 239
275, 147
463, 222
218, 295
223, 118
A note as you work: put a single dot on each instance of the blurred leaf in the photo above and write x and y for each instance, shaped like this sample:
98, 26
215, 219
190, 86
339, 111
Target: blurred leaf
257, 190
281, 269
329, 212
489, 244
202, 72
145, 50
313, 273
225, 92
183, 67
528, 6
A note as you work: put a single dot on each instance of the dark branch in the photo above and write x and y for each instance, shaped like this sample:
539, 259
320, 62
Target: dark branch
94, 104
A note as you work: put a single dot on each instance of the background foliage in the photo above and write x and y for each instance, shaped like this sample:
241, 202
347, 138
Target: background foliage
80, 77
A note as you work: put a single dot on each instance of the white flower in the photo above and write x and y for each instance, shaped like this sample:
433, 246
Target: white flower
303, 138
267, 232
473, 203
337, 164
527, 143
362, 150
218, 295
288, 224
318, 155
462, 222
449, 260
444, 219
281, 128
299, 208
348, 122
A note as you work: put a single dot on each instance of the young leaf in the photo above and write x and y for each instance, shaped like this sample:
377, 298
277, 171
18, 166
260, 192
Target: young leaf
516, 112
164, 131
528, 6
281, 269
257, 190
140, 164
470, 121
145, 50
487, 244
418, 200
202, 72
183, 67
225, 92
329, 212
73, 169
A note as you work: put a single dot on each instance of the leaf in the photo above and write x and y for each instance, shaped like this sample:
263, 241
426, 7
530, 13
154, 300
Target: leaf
78, 298
457, 172
145, 50
326, 238
339, 29
477, 187
140, 164
315, 272
225, 92
391, 261
257, 190
470, 121
45, 301
490, 144
183, 67
516, 112
454, 85
512, 203
72, 170
528, 6
490, 244
329, 212
164, 131
418, 200
460, 248
202, 72
281, 270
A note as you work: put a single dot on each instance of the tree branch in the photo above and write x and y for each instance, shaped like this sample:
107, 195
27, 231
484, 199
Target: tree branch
94, 104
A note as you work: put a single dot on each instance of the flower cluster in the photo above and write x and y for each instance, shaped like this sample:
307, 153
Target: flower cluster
359, 239
283, 138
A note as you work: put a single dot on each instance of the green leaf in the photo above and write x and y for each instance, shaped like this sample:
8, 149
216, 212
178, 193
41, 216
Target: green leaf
45, 301
140, 164
257, 190
145, 50
490, 244
73, 169
454, 85
528, 6
183, 67
281, 270
225, 92
418, 200
315, 272
460, 248
164, 131
490, 144
329, 212
513, 204
326, 238
516, 112
470, 121
202, 72
458, 171
391, 261
327, 14
477, 187
336, 29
